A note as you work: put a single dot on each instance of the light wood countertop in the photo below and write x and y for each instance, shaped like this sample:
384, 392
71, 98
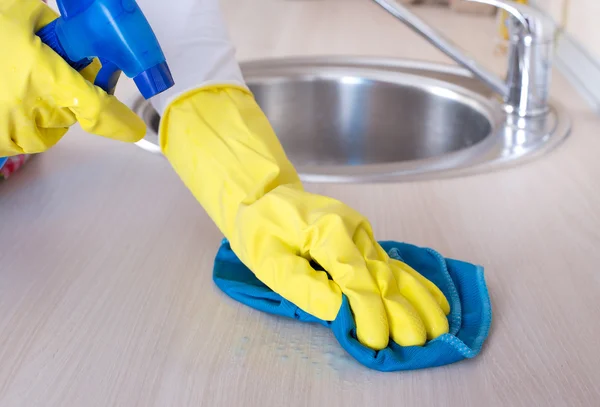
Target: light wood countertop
106, 296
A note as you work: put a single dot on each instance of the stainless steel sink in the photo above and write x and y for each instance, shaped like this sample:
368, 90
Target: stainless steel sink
348, 119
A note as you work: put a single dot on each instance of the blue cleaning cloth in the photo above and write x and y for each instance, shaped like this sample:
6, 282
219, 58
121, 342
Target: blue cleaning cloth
462, 283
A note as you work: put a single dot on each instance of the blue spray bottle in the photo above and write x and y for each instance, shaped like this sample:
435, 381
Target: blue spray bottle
118, 34
115, 31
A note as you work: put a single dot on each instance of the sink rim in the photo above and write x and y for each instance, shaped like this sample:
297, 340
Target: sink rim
486, 155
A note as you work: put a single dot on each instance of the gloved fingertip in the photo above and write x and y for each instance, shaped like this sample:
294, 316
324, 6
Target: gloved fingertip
114, 120
375, 342
372, 328
410, 336
435, 292
370, 317
136, 129
438, 328
327, 306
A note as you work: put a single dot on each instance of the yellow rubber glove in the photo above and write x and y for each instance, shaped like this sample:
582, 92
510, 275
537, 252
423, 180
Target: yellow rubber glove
223, 148
42, 96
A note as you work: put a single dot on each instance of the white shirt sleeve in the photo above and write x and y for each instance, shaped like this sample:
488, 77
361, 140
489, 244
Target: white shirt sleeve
196, 44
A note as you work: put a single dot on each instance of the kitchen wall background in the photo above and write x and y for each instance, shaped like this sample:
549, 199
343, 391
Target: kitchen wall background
580, 20
578, 48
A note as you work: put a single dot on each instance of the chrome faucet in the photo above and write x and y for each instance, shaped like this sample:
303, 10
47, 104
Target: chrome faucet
531, 37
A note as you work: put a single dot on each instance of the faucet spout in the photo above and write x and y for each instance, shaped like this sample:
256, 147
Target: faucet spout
525, 90
443, 44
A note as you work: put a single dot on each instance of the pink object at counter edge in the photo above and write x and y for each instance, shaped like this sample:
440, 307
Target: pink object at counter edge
12, 164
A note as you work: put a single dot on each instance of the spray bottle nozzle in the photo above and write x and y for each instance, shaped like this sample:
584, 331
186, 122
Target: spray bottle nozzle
154, 80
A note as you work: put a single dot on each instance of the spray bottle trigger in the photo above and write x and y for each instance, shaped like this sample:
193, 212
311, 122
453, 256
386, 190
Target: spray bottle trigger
108, 76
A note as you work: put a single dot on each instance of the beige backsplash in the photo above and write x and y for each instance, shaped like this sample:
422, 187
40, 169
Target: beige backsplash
580, 18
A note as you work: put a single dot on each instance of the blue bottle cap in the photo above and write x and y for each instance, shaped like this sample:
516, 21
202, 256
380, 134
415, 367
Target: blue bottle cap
154, 80
3, 160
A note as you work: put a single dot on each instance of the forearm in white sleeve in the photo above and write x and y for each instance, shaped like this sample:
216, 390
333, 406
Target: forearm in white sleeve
196, 44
